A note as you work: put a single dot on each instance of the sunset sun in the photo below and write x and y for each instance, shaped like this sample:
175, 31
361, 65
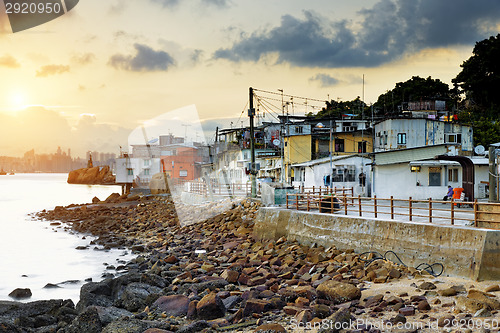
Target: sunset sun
18, 100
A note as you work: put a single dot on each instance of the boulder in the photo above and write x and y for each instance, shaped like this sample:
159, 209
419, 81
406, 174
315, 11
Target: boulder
210, 307
20, 293
172, 305
95, 175
338, 292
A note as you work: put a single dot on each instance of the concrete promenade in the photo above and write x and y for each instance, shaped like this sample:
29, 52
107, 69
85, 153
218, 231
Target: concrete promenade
465, 251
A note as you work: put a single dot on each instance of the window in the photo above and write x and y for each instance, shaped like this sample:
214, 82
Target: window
130, 172
147, 163
146, 172
339, 145
350, 174
434, 176
338, 175
401, 138
299, 129
184, 173
453, 138
362, 147
453, 175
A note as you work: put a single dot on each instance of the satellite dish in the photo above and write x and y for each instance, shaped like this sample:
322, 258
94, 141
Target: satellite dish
479, 150
276, 142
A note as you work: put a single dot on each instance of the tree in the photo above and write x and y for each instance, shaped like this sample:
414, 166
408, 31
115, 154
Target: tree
336, 109
413, 90
480, 75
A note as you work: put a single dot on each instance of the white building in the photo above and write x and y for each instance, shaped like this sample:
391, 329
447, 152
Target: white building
402, 133
138, 169
426, 172
347, 171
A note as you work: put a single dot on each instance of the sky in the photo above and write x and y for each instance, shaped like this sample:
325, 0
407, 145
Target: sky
87, 79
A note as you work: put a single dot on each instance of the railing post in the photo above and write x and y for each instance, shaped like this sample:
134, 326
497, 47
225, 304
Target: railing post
286, 195
331, 204
359, 202
452, 212
345, 204
308, 202
313, 189
430, 210
410, 212
375, 205
475, 213
297, 201
392, 207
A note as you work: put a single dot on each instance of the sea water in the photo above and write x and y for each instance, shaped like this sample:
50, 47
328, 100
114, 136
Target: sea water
33, 253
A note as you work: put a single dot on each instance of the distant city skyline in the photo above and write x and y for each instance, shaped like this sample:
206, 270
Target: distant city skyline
92, 76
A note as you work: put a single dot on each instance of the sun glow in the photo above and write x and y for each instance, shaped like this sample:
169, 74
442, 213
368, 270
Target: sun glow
18, 100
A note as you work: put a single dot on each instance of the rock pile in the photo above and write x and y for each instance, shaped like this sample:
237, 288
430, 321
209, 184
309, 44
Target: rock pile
95, 175
213, 275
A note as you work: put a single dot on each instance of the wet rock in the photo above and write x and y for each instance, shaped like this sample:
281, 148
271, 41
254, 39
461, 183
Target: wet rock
338, 292
194, 327
210, 307
20, 293
127, 325
172, 305
111, 313
88, 321
135, 295
95, 293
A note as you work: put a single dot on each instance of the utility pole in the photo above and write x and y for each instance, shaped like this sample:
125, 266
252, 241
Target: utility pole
253, 171
282, 133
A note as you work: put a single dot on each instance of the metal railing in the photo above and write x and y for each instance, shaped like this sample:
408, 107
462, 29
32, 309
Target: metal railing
221, 189
454, 212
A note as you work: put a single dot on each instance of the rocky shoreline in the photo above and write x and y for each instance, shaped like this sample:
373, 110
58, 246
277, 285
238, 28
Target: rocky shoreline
214, 276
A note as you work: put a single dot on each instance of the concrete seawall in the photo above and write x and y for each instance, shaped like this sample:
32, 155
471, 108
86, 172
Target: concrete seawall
464, 251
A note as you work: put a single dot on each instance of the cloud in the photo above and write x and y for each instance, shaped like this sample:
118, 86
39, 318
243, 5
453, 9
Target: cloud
217, 3
83, 59
45, 129
385, 32
145, 60
325, 80
51, 70
167, 3
9, 61
117, 8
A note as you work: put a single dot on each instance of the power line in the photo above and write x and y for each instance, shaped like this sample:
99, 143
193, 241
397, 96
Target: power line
293, 96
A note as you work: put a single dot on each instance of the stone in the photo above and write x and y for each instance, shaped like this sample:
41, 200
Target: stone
20, 293
88, 321
230, 276
172, 305
427, 286
492, 288
134, 297
270, 328
210, 307
466, 304
338, 292
448, 292
446, 320
484, 298
407, 311
256, 306
423, 305
194, 327
340, 318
